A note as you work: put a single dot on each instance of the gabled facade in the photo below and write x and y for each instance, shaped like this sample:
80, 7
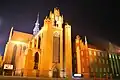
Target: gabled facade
89, 60
46, 53
93, 62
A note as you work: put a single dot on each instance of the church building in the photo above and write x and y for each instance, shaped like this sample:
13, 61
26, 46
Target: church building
45, 53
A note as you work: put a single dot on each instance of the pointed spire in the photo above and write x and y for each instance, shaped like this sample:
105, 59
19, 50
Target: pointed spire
37, 22
36, 28
46, 17
50, 15
85, 40
86, 43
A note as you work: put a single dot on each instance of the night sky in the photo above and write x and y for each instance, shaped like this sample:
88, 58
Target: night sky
87, 17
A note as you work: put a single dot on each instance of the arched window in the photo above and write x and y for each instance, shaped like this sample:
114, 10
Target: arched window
24, 48
56, 47
39, 41
14, 55
30, 44
36, 60
55, 22
35, 41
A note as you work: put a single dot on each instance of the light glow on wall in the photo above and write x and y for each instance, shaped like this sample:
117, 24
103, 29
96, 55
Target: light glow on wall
18, 42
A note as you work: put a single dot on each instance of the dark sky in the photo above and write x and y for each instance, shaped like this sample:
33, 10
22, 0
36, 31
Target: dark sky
87, 17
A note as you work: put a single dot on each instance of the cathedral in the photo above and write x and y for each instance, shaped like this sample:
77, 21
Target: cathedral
49, 52
45, 53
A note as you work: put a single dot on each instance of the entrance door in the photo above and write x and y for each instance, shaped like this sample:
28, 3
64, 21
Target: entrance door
56, 73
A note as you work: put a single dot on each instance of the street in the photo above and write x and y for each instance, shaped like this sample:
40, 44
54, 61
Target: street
26, 78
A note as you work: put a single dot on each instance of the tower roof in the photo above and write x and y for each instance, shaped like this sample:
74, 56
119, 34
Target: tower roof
37, 21
36, 28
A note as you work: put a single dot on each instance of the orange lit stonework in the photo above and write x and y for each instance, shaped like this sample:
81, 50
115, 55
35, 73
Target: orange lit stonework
41, 54
84, 56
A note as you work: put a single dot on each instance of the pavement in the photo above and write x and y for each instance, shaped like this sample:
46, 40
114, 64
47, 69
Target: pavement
26, 78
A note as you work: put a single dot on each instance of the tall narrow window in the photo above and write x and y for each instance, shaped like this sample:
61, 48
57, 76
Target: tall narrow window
39, 41
24, 48
36, 60
30, 45
14, 55
56, 48
35, 42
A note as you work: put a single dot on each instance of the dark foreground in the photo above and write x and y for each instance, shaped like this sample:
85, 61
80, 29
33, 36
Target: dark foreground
33, 78
40, 78
25, 78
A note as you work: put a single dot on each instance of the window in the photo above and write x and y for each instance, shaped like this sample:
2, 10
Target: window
36, 60
94, 53
106, 61
90, 53
56, 48
116, 56
109, 55
39, 41
14, 55
98, 53
119, 57
55, 22
99, 61
104, 69
103, 61
108, 69
113, 56
102, 54
100, 69
30, 44
35, 41
24, 48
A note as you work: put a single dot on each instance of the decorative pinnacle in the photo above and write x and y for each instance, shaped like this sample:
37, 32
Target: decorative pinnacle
85, 40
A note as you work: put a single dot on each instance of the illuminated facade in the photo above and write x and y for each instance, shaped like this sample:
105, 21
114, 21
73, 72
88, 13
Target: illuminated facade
46, 52
0, 60
114, 60
90, 61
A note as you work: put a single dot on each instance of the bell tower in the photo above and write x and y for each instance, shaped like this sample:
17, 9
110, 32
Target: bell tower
54, 61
